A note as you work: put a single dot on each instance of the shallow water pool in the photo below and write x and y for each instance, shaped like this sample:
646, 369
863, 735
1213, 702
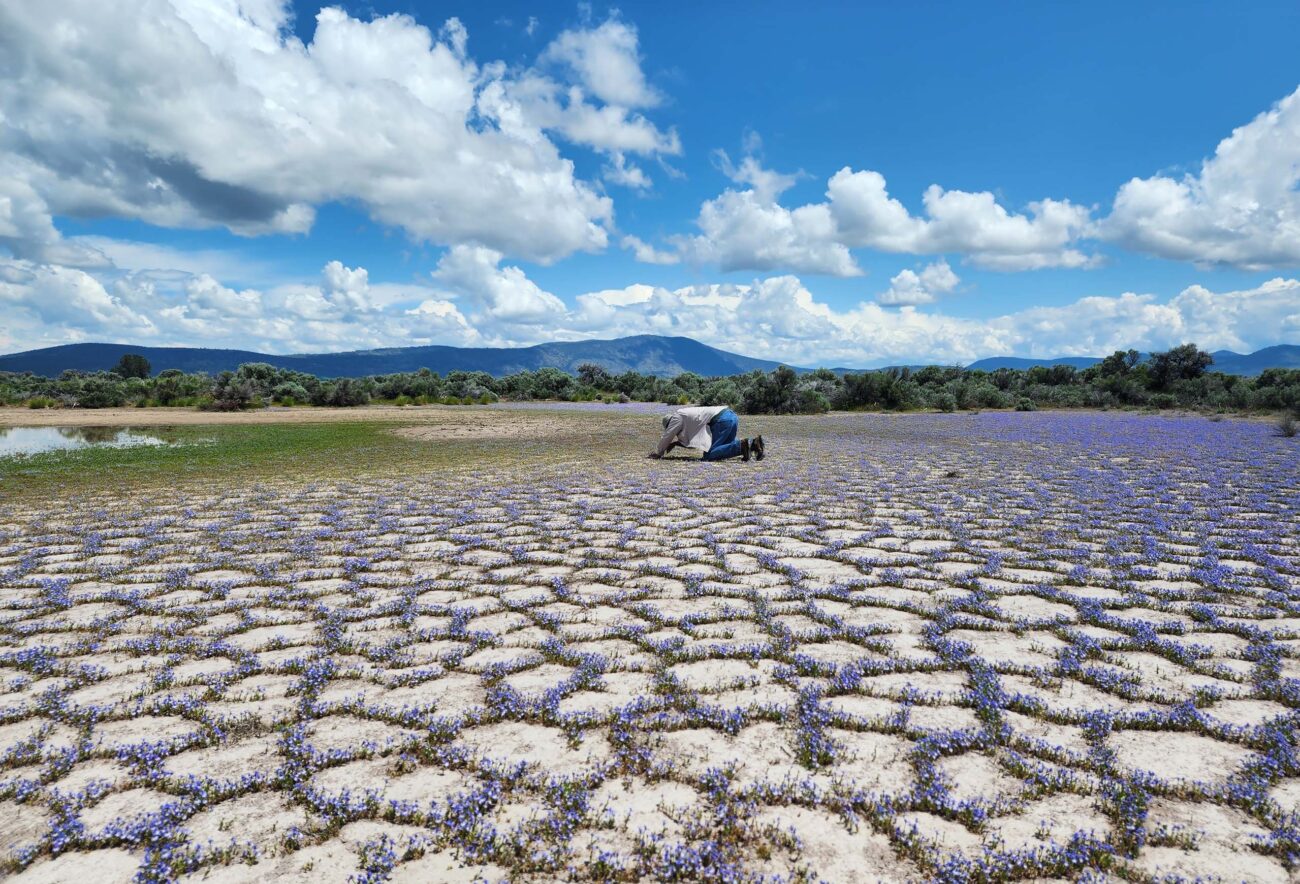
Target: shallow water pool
35, 440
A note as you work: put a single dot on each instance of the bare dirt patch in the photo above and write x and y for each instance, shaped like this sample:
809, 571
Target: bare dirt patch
489, 426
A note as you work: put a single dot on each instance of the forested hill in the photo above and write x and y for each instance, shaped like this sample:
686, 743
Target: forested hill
1226, 361
655, 355
644, 354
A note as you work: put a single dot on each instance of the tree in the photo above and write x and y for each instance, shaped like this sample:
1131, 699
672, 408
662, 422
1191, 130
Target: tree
132, 365
1050, 375
552, 383
1120, 362
592, 375
1179, 364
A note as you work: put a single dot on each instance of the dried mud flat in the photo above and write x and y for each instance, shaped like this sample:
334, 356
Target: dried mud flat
950, 648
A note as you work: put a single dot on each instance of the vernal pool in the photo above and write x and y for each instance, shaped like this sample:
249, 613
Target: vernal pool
35, 440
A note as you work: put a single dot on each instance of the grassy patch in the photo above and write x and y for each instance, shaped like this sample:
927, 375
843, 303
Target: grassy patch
328, 450
244, 451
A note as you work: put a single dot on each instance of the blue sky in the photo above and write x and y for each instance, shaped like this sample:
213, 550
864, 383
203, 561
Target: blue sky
275, 177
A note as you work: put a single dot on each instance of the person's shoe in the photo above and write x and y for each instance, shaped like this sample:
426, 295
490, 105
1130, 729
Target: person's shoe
744, 449
758, 448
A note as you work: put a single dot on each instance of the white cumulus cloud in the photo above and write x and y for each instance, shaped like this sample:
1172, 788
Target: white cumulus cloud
645, 253
911, 288
501, 294
749, 229
780, 318
251, 129
474, 298
1242, 209
607, 61
49, 304
974, 225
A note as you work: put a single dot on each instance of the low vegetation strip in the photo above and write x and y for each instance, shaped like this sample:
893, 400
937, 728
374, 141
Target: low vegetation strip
1178, 378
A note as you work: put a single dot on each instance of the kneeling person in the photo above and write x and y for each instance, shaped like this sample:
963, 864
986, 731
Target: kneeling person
711, 428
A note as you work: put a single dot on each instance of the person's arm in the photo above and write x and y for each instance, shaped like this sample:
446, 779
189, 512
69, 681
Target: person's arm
669, 438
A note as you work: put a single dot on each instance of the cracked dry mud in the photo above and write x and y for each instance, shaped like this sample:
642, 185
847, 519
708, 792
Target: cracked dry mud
1076, 657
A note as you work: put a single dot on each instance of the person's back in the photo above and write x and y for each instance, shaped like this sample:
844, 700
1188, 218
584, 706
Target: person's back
695, 431
711, 428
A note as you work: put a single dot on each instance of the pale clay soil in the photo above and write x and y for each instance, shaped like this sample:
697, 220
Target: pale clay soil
1029, 647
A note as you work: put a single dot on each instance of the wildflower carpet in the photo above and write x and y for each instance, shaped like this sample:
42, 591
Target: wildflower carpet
902, 648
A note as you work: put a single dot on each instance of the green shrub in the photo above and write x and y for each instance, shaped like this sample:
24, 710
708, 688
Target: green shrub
1024, 403
347, 393
1178, 378
231, 392
720, 392
984, 395
781, 391
290, 393
1286, 424
809, 401
132, 365
101, 391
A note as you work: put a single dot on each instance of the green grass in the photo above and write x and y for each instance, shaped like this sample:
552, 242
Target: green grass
342, 449
239, 454
233, 451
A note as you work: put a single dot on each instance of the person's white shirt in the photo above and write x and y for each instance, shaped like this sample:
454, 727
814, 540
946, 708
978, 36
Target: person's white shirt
689, 427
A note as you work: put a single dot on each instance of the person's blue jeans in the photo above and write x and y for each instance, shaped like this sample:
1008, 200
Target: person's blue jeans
724, 428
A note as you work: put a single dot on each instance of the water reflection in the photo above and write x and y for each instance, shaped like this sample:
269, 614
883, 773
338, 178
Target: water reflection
34, 440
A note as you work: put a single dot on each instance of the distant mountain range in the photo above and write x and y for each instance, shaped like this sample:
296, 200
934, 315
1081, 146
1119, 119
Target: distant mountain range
993, 363
1226, 361
647, 354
